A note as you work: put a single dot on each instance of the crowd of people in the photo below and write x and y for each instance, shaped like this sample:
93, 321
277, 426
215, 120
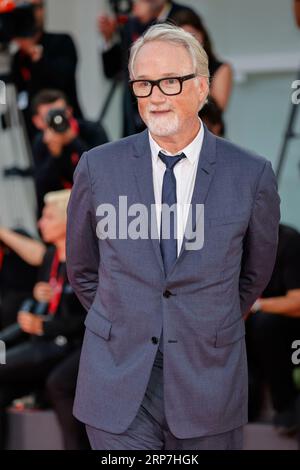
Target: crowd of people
41, 320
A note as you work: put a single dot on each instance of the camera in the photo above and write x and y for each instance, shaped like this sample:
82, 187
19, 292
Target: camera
16, 20
58, 120
13, 333
121, 7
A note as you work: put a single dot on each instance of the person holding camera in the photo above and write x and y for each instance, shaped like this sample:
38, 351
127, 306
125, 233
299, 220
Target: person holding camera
53, 322
44, 60
60, 142
117, 42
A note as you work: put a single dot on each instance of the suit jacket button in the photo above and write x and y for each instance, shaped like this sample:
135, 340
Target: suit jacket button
167, 294
154, 340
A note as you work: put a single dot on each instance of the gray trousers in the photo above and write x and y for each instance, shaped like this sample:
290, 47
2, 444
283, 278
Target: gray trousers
149, 430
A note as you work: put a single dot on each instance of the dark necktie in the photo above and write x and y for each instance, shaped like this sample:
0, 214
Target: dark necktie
168, 245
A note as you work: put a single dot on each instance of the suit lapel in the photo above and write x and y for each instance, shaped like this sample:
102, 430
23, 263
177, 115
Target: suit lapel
204, 176
142, 165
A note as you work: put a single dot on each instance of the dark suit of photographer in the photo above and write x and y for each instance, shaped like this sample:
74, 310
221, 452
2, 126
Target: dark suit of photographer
60, 143
45, 60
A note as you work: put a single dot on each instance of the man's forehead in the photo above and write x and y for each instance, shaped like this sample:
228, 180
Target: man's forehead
162, 57
60, 103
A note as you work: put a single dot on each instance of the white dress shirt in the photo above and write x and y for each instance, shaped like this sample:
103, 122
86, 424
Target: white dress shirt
185, 173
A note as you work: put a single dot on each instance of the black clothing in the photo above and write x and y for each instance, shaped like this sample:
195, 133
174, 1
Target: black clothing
55, 173
213, 66
56, 70
29, 363
17, 279
60, 389
270, 336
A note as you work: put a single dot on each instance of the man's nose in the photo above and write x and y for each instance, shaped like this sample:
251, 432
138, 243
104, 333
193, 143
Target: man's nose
157, 95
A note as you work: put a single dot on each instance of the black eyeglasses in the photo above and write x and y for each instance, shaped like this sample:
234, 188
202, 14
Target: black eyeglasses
168, 86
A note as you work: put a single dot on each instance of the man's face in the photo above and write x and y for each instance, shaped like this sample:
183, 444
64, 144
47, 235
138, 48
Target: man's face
52, 225
40, 118
39, 13
167, 115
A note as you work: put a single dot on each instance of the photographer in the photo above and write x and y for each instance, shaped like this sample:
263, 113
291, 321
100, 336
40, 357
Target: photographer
51, 335
60, 143
44, 60
117, 43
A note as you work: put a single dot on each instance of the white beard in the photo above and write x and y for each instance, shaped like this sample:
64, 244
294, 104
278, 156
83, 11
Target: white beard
162, 126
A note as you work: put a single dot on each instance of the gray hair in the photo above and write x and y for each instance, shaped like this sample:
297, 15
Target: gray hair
173, 34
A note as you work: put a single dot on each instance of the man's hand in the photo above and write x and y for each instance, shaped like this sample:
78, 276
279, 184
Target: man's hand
107, 26
42, 292
56, 141
30, 48
31, 324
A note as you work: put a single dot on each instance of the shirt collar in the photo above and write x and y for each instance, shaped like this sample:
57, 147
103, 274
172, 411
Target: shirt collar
191, 151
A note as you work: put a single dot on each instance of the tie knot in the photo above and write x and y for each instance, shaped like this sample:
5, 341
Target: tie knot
171, 160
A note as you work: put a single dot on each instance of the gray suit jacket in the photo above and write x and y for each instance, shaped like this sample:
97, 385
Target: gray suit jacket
122, 284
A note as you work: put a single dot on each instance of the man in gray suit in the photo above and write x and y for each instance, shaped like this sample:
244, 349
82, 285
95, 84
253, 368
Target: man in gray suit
163, 364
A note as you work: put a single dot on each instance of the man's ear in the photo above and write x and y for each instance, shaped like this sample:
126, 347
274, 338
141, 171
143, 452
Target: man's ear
203, 87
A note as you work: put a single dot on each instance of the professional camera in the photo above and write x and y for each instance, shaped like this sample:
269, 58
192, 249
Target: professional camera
13, 333
121, 7
16, 20
58, 121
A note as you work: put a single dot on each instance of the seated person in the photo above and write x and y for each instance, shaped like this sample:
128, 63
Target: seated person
60, 143
272, 327
60, 390
58, 328
19, 257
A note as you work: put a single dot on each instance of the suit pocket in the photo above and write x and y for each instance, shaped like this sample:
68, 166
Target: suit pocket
226, 220
98, 324
231, 333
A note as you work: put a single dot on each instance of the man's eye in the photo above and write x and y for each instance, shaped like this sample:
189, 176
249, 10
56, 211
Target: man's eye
144, 84
171, 81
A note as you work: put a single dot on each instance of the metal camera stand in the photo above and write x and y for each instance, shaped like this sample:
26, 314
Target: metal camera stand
119, 7
18, 206
289, 134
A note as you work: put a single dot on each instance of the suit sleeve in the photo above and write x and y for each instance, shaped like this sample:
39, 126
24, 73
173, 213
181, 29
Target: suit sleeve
260, 243
83, 255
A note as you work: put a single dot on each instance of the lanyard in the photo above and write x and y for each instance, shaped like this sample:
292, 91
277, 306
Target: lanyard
1, 257
56, 282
